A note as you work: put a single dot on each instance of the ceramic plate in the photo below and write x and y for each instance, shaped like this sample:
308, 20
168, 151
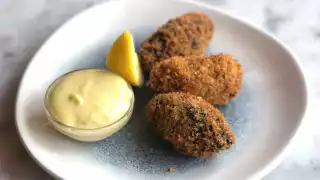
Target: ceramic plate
265, 116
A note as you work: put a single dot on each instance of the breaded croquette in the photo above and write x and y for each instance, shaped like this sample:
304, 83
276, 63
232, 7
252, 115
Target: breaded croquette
185, 35
216, 78
192, 125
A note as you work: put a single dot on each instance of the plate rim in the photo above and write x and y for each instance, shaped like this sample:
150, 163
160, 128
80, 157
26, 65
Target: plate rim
271, 165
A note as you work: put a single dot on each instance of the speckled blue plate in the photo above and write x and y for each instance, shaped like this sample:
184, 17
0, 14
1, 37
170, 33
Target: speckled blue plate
265, 116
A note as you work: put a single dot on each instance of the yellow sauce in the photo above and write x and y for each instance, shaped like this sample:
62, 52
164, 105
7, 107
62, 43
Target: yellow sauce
90, 99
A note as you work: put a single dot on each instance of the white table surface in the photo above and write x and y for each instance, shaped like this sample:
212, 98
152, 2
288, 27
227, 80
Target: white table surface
25, 24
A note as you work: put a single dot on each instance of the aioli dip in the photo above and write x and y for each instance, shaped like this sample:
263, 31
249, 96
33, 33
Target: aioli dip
87, 100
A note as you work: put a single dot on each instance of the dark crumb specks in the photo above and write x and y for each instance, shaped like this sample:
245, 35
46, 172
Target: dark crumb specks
192, 125
189, 34
216, 78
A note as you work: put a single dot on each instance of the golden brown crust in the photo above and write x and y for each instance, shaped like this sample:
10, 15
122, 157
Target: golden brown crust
216, 78
189, 34
191, 124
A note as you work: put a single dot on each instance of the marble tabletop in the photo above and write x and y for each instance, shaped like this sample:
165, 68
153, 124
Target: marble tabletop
24, 26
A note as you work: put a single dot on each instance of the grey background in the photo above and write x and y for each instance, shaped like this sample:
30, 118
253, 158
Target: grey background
25, 24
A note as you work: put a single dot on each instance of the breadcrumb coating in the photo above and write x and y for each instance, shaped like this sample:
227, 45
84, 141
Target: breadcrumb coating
192, 125
216, 78
189, 34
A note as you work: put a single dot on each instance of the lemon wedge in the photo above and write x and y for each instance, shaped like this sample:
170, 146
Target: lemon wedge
123, 60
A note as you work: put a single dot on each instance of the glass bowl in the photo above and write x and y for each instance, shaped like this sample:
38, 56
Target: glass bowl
81, 134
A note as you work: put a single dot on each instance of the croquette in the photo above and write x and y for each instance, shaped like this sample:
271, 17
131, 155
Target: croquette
216, 78
192, 125
185, 35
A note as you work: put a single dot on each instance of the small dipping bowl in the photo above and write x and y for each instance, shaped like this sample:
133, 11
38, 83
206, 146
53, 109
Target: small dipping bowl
81, 134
